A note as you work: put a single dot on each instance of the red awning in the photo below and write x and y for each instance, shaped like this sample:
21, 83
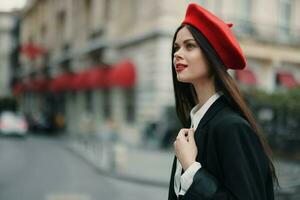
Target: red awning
246, 76
286, 79
97, 77
122, 74
94, 77
78, 81
61, 83
35, 85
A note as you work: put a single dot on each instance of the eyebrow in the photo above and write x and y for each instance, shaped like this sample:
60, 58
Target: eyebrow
185, 41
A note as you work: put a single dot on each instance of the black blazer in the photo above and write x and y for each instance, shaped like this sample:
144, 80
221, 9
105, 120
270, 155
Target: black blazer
234, 165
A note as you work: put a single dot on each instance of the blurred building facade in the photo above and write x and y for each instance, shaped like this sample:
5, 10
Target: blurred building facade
64, 40
8, 42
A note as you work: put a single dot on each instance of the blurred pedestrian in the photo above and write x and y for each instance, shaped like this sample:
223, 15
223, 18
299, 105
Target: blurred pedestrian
59, 121
223, 155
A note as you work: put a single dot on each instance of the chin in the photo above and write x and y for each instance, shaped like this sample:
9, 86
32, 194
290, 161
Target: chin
183, 79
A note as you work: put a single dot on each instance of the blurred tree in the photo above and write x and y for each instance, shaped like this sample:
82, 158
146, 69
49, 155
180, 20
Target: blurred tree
279, 116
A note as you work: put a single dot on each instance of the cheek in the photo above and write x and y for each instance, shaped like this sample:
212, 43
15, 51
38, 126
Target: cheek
199, 66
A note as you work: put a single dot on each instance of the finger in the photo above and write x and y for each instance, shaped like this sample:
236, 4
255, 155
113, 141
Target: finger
191, 133
182, 133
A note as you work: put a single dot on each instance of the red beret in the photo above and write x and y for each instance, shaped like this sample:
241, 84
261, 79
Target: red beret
218, 34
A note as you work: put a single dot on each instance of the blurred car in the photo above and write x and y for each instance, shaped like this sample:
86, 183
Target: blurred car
12, 123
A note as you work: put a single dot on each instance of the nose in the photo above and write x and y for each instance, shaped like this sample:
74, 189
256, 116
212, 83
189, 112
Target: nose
176, 58
177, 55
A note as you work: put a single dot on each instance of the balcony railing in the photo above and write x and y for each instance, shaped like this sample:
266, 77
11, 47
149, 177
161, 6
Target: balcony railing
267, 32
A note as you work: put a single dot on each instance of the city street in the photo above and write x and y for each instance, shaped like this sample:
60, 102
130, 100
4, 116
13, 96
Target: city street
94, 92
53, 168
39, 168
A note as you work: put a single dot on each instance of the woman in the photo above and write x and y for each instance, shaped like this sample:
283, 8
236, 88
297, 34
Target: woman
223, 155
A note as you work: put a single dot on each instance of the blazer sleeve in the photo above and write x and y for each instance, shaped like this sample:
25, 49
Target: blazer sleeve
243, 164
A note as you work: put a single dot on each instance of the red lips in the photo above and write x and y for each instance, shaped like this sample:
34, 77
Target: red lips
179, 67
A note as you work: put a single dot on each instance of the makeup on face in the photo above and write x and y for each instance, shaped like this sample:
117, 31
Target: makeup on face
188, 45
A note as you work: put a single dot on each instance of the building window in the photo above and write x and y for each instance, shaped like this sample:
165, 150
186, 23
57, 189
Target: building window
133, 10
61, 27
66, 63
89, 101
245, 9
44, 34
87, 6
129, 104
284, 17
106, 104
59, 103
96, 57
107, 10
129, 15
245, 16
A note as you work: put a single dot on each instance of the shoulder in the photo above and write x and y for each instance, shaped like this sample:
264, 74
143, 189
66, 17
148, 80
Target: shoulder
227, 117
229, 125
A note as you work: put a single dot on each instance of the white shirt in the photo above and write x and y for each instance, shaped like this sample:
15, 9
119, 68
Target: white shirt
184, 181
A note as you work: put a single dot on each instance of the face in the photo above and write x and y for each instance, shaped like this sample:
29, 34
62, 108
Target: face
189, 61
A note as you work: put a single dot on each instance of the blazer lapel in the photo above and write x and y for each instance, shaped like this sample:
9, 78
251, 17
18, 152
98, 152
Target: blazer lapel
200, 132
212, 111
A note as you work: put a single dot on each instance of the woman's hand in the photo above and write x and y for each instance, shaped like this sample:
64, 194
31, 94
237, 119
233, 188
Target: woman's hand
185, 147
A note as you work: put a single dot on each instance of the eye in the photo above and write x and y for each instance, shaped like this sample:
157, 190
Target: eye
190, 45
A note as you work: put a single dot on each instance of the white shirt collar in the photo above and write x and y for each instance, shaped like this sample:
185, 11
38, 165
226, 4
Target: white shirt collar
198, 112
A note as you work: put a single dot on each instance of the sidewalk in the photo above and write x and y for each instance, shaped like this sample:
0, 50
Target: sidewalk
153, 167
128, 163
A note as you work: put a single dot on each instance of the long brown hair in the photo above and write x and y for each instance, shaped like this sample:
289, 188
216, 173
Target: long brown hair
186, 97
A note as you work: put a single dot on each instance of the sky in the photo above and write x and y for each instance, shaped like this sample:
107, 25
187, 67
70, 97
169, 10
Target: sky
8, 5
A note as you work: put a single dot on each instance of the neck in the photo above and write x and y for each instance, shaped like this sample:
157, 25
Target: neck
204, 89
